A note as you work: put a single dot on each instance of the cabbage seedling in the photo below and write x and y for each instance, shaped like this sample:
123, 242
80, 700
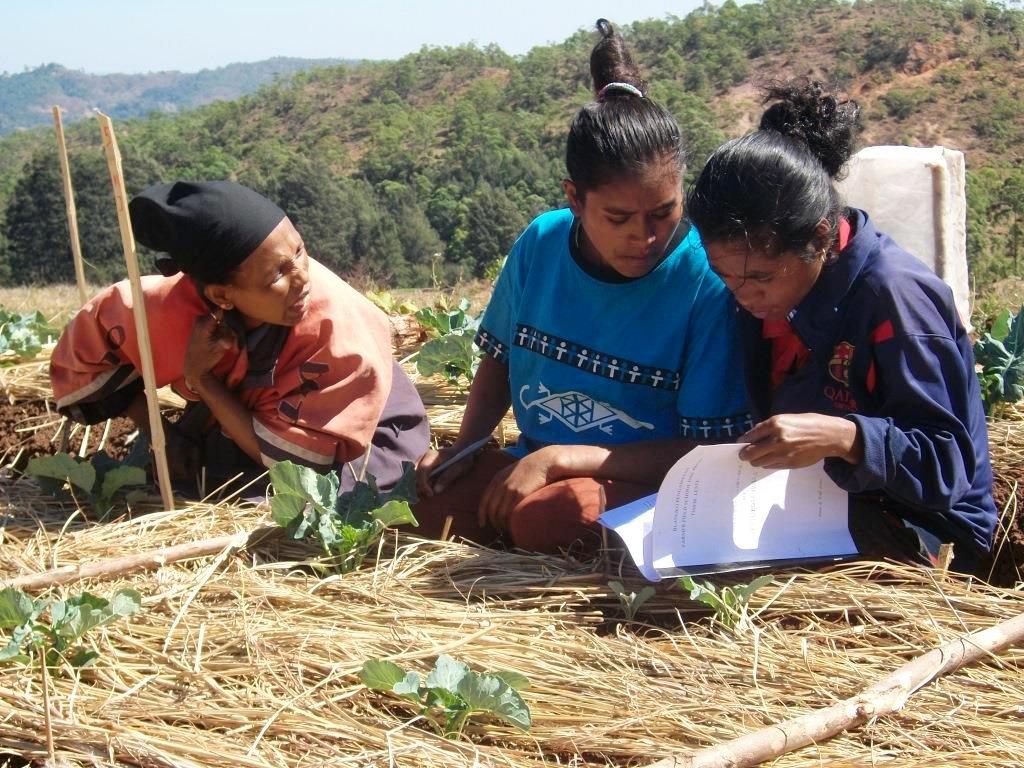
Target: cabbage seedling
306, 503
451, 692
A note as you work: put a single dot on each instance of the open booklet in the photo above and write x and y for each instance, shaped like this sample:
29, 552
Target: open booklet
716, 513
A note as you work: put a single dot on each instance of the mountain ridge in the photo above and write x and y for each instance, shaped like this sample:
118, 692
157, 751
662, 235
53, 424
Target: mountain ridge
26, 98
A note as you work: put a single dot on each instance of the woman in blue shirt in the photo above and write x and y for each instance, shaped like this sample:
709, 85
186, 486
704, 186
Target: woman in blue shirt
607, 334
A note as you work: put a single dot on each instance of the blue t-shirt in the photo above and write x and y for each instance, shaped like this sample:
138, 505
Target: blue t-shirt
599, 363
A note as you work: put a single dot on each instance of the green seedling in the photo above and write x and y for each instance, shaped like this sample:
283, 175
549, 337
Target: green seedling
307, 504
98, 478
999, 355
451, 692
631, 601
56, 643
451, 353
22, 336
389, 304
729, 603
70, 619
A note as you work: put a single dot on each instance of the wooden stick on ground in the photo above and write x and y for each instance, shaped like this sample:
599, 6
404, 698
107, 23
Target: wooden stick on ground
150, 560
138, 309
69, 206
884, 697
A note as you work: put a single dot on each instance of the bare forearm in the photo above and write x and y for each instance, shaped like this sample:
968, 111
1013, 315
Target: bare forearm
233, 417
489, 401
646, 461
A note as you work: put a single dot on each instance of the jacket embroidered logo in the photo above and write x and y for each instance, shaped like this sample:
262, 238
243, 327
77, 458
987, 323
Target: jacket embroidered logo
577, 411
839, 365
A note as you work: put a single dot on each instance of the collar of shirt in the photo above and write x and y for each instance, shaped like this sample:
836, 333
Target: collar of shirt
815, 318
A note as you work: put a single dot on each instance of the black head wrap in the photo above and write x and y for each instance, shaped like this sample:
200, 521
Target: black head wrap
203, 228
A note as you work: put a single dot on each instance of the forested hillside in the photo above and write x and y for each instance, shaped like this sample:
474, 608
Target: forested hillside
425, 169
27, 97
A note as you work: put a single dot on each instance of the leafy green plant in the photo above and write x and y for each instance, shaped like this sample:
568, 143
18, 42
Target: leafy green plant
451, 354
100, 478
631, 601
451, 692
306, 503
443, 320
22, 336
58, 640
389, 304
999, 355
729, 603
56, 643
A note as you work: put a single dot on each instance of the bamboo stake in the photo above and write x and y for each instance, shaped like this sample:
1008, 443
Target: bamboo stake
142, 561
138, 309
104, 436
84, 447
47, 722
69, 206
884, 697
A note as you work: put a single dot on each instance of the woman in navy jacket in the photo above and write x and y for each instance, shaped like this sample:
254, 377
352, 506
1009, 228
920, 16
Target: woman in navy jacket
853, 349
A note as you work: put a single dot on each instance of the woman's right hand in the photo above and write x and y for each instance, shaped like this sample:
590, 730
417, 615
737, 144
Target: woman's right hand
425, 486
210, 340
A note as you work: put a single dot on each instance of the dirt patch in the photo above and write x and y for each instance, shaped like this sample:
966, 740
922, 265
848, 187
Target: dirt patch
1007, 566
33, 427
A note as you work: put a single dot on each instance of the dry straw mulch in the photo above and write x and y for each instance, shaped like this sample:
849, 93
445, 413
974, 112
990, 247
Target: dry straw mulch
250, 659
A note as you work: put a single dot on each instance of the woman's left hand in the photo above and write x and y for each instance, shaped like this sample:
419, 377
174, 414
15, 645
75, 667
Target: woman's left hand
211, 339
793, 440
513, 484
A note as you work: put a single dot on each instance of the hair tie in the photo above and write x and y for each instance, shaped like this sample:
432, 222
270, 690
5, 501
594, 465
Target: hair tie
627, 87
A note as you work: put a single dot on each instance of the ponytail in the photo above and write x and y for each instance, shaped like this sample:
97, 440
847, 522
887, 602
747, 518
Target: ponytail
623, 133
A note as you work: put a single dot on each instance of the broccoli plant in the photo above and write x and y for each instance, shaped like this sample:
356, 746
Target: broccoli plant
999, 355
56, 643
631, 602
451, 692
306, 503
99, 478
22, 336
451, 353
729, 603
390, 304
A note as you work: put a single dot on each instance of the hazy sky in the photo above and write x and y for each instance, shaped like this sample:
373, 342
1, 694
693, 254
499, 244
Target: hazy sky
103, 36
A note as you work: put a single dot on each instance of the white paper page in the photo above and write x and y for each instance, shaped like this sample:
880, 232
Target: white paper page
633, 523
715, 508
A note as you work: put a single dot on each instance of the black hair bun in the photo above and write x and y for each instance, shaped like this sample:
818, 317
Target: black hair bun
807, 112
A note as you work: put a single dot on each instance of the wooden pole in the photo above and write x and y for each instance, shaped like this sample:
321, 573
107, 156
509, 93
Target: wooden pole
69, 207
116, 567
884, 697
138, 308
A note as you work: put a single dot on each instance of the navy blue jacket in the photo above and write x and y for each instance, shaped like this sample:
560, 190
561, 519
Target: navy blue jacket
888, 351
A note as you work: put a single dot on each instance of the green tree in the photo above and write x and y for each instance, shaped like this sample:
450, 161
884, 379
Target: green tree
489, 223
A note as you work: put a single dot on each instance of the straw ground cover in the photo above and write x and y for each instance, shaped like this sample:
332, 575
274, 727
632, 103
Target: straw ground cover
248, 659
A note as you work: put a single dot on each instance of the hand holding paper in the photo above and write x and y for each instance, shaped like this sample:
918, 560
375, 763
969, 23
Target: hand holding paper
715, 512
